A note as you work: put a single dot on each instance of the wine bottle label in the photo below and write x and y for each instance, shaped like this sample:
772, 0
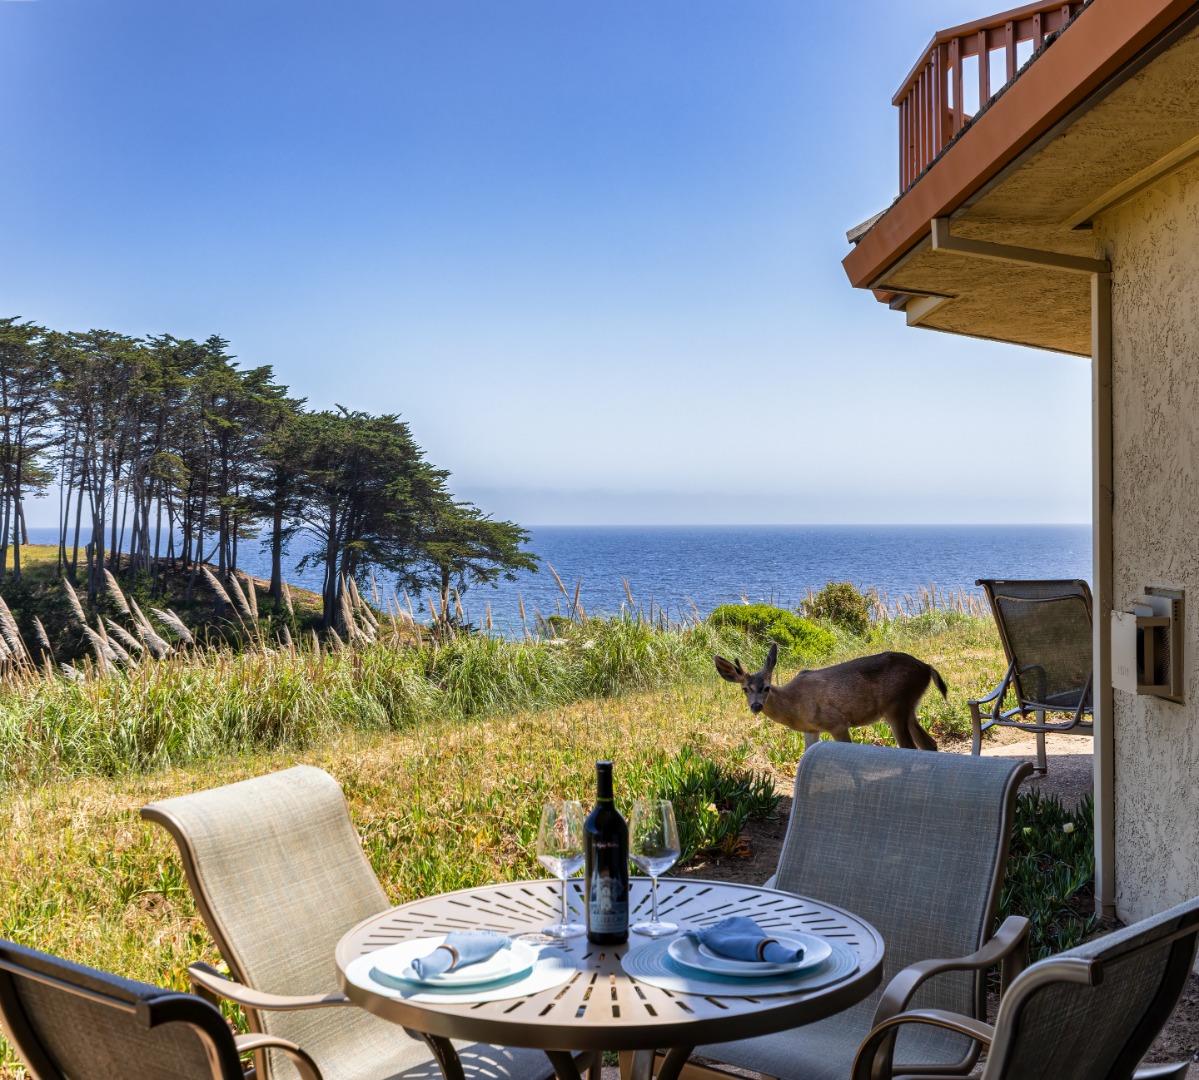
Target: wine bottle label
609, 904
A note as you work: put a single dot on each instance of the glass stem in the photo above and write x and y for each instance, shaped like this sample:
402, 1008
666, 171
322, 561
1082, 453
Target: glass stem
653, 890
564, 919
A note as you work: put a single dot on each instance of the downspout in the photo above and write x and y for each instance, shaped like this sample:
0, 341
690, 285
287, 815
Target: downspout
1104, 757
1102, 493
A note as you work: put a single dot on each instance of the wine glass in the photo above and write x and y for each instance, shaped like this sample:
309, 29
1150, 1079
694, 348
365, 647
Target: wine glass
560, 851
654, 848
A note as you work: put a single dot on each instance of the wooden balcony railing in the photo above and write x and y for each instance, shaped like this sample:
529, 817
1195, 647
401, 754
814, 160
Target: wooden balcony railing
960, 71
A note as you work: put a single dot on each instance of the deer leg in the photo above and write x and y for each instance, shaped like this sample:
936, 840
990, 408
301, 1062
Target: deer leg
898, 723
924, 741
841, 734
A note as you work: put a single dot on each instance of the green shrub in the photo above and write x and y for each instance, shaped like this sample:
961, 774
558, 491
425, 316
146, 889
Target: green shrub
796, 636
559, 625
843, 605
1051, 872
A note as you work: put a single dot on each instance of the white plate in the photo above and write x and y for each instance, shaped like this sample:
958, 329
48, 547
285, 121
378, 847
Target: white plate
684, 951
508, 963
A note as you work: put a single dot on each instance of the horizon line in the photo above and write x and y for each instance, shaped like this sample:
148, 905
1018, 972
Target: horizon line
805, 524
777, 525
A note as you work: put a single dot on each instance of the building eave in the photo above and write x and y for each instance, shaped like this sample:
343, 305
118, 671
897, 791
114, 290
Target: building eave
1106, 37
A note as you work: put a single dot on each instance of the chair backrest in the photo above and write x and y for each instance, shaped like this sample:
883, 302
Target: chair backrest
66, 1020
914, 842
279, 875
1045, 627
1092, 1012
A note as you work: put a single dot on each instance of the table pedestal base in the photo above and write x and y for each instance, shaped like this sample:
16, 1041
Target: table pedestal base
639, 1064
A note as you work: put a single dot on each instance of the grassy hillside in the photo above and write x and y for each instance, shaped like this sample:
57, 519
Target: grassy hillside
39, 593
446, 753
39, 565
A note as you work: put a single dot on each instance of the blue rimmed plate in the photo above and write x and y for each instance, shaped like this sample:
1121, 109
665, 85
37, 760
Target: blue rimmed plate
689, 954
394, 966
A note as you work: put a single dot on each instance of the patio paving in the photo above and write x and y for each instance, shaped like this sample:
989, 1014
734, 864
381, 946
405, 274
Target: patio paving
1069, 776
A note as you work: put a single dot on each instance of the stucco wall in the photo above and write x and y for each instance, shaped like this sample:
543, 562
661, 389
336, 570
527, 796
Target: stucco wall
1153, 242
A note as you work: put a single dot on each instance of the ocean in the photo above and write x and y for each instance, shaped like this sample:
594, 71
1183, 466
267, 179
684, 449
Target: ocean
681, 569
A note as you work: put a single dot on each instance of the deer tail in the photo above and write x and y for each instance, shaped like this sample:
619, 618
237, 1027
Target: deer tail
938, 682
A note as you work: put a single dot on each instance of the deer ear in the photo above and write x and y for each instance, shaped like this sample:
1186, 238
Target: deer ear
772, 658
740, 669
726, 670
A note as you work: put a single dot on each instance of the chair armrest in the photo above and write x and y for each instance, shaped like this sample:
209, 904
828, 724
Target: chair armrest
1008, 947
869, 1065
206, 978
996, 694
1176, 1071
304, 1064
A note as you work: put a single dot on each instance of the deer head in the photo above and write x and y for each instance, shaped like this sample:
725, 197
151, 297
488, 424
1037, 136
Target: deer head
755, 685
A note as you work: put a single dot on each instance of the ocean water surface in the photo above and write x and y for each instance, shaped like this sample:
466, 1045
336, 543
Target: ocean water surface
681, 569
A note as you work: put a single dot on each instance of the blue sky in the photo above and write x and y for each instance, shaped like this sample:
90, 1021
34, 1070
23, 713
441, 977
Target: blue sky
590, 252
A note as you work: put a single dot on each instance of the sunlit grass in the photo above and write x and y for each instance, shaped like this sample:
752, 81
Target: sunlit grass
445, 753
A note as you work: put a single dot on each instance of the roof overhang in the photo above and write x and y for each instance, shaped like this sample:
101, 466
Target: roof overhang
1097, 47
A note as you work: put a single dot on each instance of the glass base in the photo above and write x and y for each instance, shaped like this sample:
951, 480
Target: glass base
655, 929
562, 931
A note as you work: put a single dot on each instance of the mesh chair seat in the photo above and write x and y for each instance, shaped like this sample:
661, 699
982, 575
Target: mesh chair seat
1090, 1012
916, 844
825, 1050
1066, 701
1077, 1030
1050, 643
351, 1044
67, 1020
279, 876
1046, 631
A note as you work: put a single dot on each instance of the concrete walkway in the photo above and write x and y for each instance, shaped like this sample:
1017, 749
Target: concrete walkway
1069, 776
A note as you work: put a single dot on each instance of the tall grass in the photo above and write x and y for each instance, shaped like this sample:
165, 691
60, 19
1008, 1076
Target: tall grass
131, 709
199, 704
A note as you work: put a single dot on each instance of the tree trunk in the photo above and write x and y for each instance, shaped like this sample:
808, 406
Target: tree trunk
330, 592
75, 545
277, 553
4, 518
19, 532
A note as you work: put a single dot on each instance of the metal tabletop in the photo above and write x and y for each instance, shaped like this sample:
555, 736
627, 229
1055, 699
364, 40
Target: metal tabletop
602, 1008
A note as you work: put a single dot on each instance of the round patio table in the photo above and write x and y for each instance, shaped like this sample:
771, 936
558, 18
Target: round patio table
602, 1008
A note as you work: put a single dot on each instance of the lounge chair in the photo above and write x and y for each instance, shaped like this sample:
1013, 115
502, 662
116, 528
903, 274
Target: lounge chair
1045, 627
66, 1020
915, 843
1085, 1014
279, 875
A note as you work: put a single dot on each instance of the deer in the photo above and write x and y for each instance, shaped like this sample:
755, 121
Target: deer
834, 699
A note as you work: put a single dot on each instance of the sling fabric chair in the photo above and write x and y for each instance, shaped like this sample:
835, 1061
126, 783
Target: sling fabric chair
1045, 627
916, 844
65, 1020
1089, 1013
279, 875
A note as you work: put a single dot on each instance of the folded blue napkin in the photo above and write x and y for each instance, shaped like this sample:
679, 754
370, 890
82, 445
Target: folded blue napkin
739, 938
460, 949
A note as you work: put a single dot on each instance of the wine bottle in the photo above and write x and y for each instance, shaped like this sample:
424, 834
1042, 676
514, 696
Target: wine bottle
607, 865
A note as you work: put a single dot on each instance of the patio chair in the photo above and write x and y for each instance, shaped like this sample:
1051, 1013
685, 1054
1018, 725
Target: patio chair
1045, 627
916, 844
66, 1020
279, 875
1089, 1013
